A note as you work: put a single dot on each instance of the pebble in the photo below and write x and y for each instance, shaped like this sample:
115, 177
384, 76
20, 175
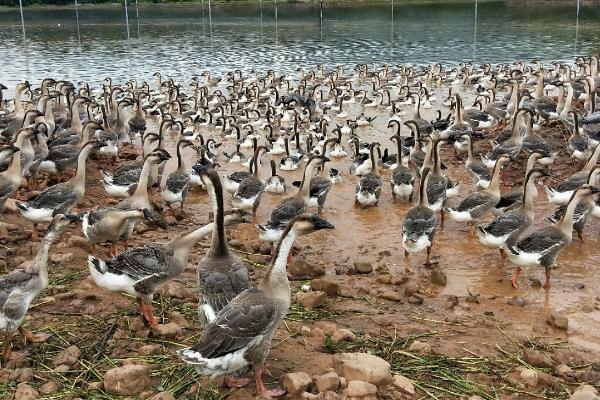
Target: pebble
360, 389
517, 301
347, 291
529, 376
178, 318
391, 295
438, 277
415, 299
128, 380
311, 299
163, 396
420, 347
49, 387
403, 384
296, 382
26, 392
68, 356
579, 286
558, 320
363, 265
325, 284
343, 335
384, 278
537, 359
585, 392
170, 330
328, 381
411, 288
362, 367
150, 349
305, 330
78, 241
64, 258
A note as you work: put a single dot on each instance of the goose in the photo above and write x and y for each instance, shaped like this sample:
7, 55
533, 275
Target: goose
533, 143
512, 199
506, 228
542, 247
241, 333
221, 274
544, 106
61, 197
26, 151
290, 162
478, 119
577, 144
290, 207
479, 173
417, 155
10, 180
584, 208
123, 181
109, 225
334, 176
479, 203
178, 181
19, 287
237, 156
248, 194
361, 164
275, 183
319, 189
401, 179
437, 183
510, 147
561, 193
368, 188
423, 125
418, 228
140, 271
137, 123
40, 153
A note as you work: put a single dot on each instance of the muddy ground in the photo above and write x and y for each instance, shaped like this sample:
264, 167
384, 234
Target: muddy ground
476, 327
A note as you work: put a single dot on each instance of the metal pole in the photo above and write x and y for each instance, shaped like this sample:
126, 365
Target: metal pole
261, 20
22, 18
392, 34
77, 19
137, 17
128, 38
578, 8
321, 12
210, 21
276, 27
475, 33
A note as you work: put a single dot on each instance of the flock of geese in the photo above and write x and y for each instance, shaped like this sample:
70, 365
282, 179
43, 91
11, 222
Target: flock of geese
52, 132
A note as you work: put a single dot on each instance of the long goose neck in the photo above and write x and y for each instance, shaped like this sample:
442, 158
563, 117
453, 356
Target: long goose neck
180, 165
78, 181
75, 121
566, 222
437, 162
142, 186
218, 246
19, 111
374, 167
13, 172
423, 200
494, 187
40, 262
182, 246
592, 160
399, 154
304, 191
276, 283
539, 89
470, 156
528, 192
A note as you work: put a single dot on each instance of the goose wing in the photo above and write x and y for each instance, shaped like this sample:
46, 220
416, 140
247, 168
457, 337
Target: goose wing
418, 221
287, 210
177, 181
12, 293
319, 186
222, 283
54, 197
140, 262
542, 241
505, 224
248, 316
474, 201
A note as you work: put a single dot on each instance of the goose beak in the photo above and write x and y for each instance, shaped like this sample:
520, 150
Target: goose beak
595, 190
72, 218
147, 214
200, 169
319, 223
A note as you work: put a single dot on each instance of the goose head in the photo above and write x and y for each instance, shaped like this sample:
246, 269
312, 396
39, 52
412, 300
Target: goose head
306, 223
60, 222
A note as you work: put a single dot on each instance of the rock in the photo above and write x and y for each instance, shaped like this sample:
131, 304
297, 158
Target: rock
384, 278
391, 295
516, 301
585, 392
411, 287
49, 387
178, 318
305, 330
26, 392
347, 291
328, 381
361, 390
128, 380
68, 356
475, 398
579, 286
61, 258
24, 375
415, 299
301, 268
563, 370
362, 367
363, 265
78, 241
296, 382
558, 320
325, 284
61, 369
537, 359
327, 328
438, 277
529, 376
403, 384
420, 347
163, 396
311, 299
150, 349
170, 330
95, 386
343, 335
310, 396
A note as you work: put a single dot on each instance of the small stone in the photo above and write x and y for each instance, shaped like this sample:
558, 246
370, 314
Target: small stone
579, 286
403, 384
25, 375
535, 283
563, 370
328, 381
475, 398
416, 299
391, 295
347, 291
128, 380
235, 243
170, 330
305, 330
420, 347
78, 241
26, 392
150, 349
296, 382
537, 359
325, 284
558, 320
61, 258
301, 268
384, 278
361, 389
363, 265
98, 386
178, 318
61, 369
585, 392
411, 287
49, 387
163, 396
516, 301
326, 327
362, 367
343, 335
529, 376
310, 396
438, 277
68, 356
311, 299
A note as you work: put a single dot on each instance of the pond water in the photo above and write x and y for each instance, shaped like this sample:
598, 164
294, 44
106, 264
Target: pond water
181, 40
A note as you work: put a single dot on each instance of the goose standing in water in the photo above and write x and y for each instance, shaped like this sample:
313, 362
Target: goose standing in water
401, 180
221, 274
418, 228
178, 181
142, 270
479, 173
241, 334
368, 189
20, 286
543, 246
59, 198
506, 228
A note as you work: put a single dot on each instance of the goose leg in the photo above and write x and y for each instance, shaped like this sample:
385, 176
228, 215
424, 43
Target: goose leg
113, 250
580, 236
547, 284
30, 337
232, 382
93, 249
502, 256
149, 316
8, 336
442, 218
126, 244
428, 262
261, 389
515, 277
34, 232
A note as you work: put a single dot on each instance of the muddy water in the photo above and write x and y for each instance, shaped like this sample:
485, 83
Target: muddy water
469, 266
